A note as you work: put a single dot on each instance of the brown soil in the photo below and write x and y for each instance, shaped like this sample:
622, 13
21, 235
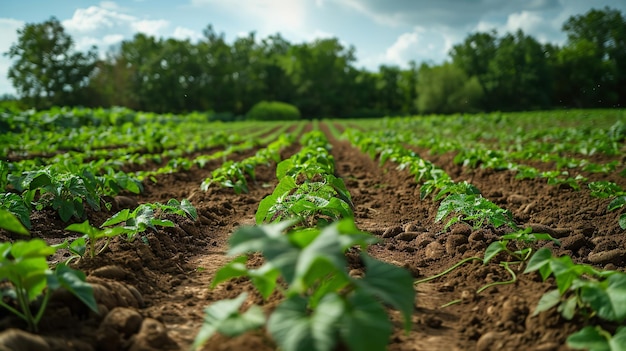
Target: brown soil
152, 292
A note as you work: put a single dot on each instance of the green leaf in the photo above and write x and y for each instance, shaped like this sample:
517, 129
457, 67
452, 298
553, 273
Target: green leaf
285, 185
224, 317
591, 339
9, 222
365, 325
618, 341
74, 282
547, 301
391, 284
568, 308
492, 250
66, 209
622, 221
233, 269
117, 218
540, 259
608, 299
326, 247
617, 203
189, 209
295, 330
40, 181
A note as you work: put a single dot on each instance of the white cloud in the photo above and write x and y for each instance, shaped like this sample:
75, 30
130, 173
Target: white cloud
112, 39
268, 16
182, 33
402, 48
94, 18
109, 5
417, 45
150, 27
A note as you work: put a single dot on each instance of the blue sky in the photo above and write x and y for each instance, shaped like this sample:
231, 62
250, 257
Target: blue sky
382, 31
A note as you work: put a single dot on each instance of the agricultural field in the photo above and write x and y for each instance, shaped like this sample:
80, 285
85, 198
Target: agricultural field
137, 231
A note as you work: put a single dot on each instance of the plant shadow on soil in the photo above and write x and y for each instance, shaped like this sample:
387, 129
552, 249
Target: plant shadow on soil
152, 292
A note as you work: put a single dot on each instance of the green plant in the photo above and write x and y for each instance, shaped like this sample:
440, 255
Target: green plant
273, 111
23, 264
324, 305
606, 189
88, 243
146, 216
9, 222
597, 339
581, 289
16, 205
474, 209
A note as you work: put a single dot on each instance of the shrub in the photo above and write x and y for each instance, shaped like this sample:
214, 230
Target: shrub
273, 111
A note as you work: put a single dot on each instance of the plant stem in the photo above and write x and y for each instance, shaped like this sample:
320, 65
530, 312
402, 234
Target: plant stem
447, 270
508, 269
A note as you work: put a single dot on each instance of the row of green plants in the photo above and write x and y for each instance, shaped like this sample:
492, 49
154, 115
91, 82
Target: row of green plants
305, 228
67, 188
29, 278
232, 174
596, 296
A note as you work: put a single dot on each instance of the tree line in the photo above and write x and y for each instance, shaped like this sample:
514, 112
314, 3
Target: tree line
486, 72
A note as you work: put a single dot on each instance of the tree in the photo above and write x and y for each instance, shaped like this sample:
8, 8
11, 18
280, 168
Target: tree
603, 33
518, 76
46, 72
473, 57
446, 89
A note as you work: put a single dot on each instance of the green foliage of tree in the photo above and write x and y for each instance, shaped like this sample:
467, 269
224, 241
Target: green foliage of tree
488, 72
447, 89
273, 111
46, 72
596, 47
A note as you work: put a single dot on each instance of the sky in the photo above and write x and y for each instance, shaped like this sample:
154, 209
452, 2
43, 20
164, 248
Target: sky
391, 32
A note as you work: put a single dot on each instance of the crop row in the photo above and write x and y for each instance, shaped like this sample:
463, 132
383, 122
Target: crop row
304, 246
581, 289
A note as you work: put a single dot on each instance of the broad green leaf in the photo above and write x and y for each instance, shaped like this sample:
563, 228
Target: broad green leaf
264, 279
540, 259
285, 185
568, 308
618, 341
391, 284
83, 228
117, 218
233, 269
240, 323
40, 181
326, 247
608, 298
271, 242
622, 221
591, 339
9, 222
74, 282
294, 329
226, 312
162, 222
66, 209
189, 209
493, 249
547, 301
365, 324
564, 271
617, 203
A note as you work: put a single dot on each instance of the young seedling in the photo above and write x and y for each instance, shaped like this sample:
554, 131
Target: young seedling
323, 304
604, 190
24, 265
